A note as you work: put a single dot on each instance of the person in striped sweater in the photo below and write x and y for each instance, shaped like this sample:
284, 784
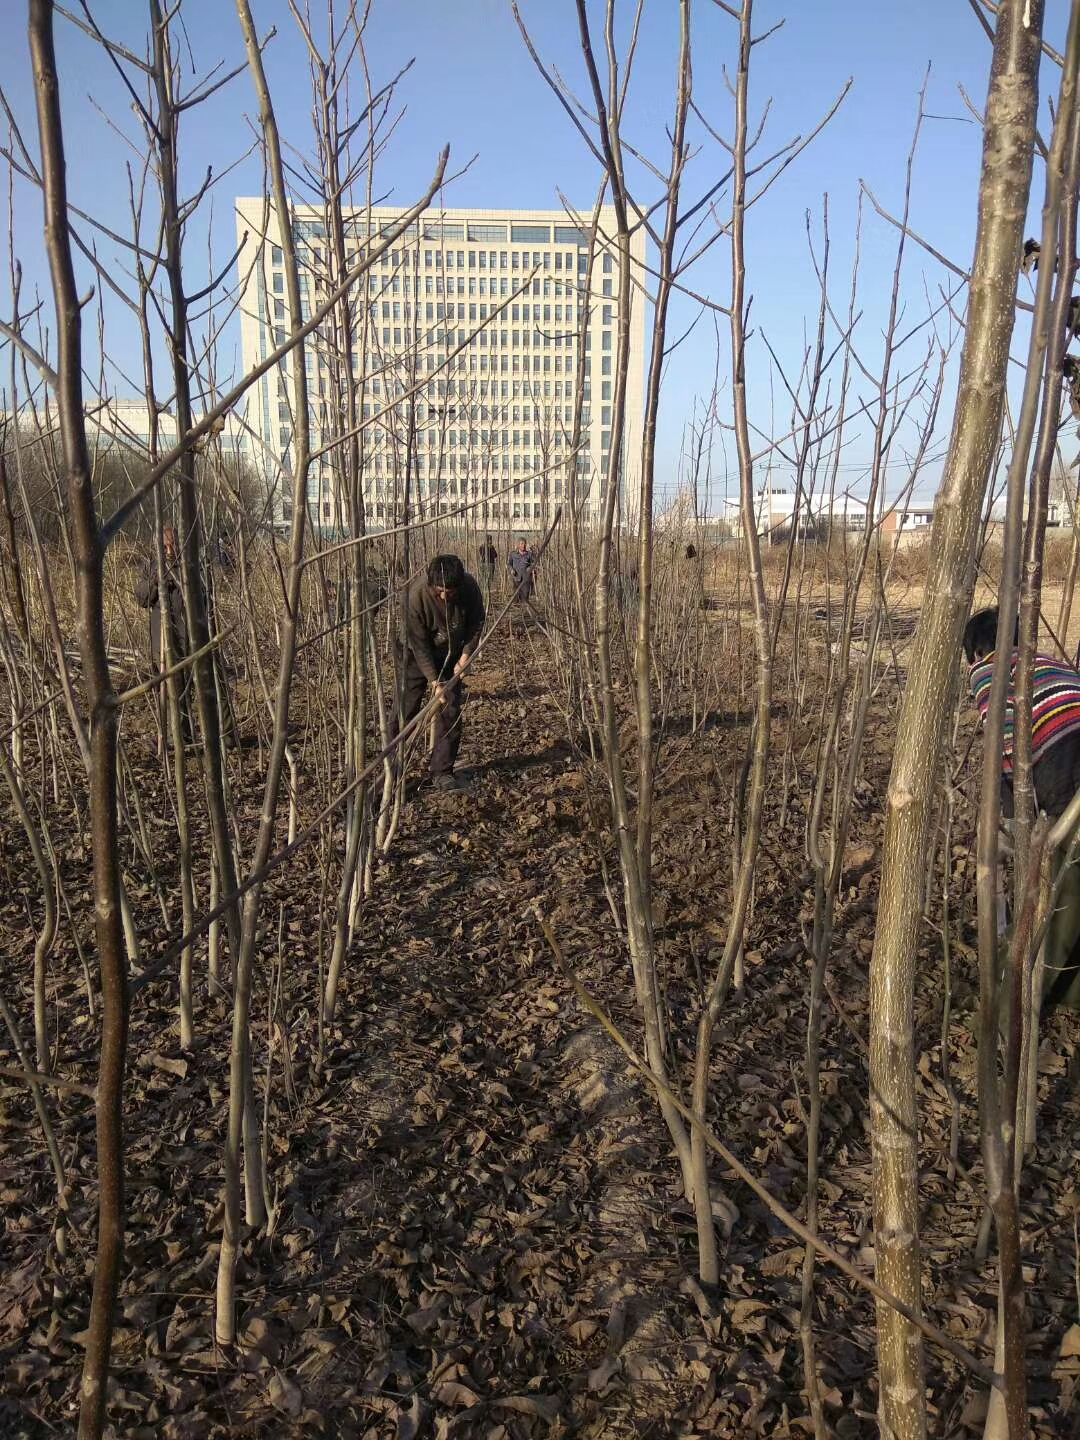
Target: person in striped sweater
1055, 774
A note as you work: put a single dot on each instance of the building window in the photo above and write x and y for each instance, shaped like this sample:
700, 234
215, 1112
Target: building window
605, 341
530, 235
275, 255
570, 235
445, 230
609, 263
479, 231
279, 284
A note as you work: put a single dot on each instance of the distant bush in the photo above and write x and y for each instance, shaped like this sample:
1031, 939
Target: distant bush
231, 494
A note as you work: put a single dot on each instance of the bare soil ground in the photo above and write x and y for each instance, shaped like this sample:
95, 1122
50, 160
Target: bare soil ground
478, 1228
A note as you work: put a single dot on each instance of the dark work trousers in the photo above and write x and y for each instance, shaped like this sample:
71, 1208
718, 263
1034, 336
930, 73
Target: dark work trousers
448, 717
523, 588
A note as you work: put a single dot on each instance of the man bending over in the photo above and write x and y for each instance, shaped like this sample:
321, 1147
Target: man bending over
444, 615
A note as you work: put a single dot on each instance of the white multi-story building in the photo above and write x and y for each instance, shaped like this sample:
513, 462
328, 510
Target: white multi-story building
778, 505
114, 424
465, 350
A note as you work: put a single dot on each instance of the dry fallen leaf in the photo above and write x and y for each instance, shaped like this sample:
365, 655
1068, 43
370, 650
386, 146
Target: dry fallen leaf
545, 1406
285, 1395
455, 1395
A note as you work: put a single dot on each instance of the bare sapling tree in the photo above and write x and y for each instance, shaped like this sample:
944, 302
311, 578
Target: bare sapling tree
1032, 975
1006, 177
850, 667
243, 1121
666, 221
342, 166
164, 123
764, 643
100, 701
1006, 1000
607, 146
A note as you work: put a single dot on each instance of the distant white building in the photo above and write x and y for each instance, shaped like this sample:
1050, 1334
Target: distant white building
127, 423
777, 505
115, 424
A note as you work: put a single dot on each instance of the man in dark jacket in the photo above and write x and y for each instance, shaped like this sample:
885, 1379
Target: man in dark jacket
156, 594
489, 559
444, 615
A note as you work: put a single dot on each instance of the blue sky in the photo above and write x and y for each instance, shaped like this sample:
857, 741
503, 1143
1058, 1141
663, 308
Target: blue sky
473, 86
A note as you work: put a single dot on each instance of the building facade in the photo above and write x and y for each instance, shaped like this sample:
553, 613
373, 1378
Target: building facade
468, 339
779, 506
125, 424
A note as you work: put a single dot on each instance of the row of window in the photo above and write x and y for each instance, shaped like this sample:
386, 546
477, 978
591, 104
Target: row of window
439, 310
500, 287
505, 260
482, 413
472, 391
558, 415
435, 415
445, 455
497, 289
503, 364
463, 487
521, 232
451, 388
397, 336
492, 512
433, 285
432, 362
558, 434
494, 469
